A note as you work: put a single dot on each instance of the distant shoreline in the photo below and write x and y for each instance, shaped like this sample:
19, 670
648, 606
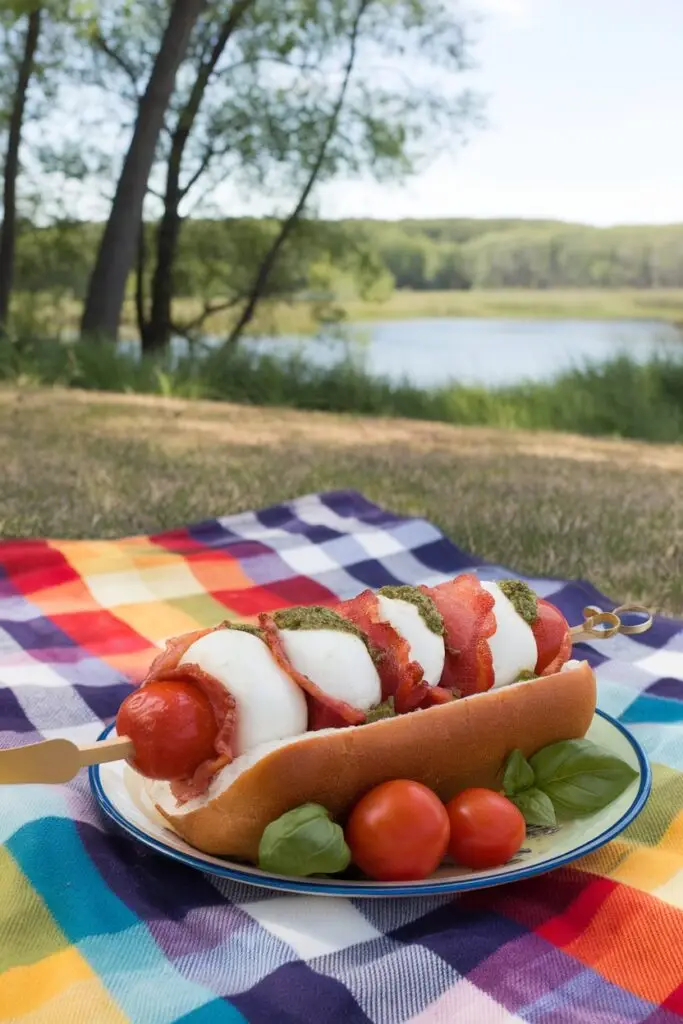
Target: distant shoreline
656, 305
663, 305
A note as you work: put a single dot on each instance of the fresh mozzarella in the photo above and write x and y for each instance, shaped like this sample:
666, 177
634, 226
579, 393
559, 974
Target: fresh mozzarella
569, 665
426, 648
270, 705
513, 644
336, 661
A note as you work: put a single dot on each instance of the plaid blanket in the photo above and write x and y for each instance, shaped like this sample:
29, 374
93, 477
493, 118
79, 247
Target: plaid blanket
96, 928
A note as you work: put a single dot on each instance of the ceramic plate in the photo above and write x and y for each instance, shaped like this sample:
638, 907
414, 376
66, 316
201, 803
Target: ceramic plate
119, 792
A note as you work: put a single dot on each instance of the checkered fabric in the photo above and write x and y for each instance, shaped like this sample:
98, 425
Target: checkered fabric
96, 928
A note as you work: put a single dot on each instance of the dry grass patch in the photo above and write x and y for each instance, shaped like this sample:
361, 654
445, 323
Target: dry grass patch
83, 464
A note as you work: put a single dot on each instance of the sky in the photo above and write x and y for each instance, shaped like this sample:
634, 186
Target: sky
585, 121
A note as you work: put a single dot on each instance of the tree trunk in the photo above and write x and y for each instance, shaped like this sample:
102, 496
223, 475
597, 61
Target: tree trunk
158, 330
140, 285
261, 280
107, 286
8, 229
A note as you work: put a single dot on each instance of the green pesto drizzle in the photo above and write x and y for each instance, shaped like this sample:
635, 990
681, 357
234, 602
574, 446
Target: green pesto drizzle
525, 676
522, 597
243, 627
383, 710
430, 614
317, 616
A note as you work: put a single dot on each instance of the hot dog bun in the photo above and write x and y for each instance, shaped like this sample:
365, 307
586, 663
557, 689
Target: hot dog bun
447, 747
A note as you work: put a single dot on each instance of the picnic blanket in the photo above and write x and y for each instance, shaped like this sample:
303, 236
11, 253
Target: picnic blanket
96, 928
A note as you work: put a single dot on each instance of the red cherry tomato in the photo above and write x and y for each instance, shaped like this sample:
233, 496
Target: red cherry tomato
172, 726
486, 828
550, 629
398, 831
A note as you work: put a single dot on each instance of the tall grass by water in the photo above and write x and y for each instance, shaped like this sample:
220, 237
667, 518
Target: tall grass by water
620, 398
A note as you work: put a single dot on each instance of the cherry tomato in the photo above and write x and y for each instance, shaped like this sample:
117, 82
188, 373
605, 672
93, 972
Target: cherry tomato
172, 726
486, 828
550, 629
398, 831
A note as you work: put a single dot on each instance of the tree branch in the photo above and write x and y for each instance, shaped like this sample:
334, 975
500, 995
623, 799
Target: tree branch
304, 65
116, 58
153, 192
209, 154
261, 280
185, 330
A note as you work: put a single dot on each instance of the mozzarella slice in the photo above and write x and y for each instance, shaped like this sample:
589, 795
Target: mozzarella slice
513, 645
336, 661
270, 705
426, 648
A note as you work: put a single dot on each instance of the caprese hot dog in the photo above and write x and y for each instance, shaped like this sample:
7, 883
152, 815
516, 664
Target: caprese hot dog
234, 724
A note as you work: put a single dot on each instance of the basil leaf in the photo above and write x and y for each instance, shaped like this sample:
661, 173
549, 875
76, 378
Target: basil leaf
580, 777
304, 841
518, 774
536, 807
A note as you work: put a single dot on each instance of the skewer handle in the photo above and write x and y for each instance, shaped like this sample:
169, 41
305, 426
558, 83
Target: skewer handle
600, 625
58, 760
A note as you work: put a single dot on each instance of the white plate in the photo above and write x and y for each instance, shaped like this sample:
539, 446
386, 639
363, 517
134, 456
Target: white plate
119, 792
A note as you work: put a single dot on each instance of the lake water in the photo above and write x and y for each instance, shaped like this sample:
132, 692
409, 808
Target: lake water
487, 352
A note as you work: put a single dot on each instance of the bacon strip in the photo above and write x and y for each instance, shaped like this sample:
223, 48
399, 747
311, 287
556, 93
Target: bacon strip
437, 695
318, 700
401, 678
467, 612
166, 666
176, 647
561, 658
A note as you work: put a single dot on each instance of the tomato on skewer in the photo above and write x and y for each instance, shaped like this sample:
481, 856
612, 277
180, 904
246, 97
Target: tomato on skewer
552, 636
172, 727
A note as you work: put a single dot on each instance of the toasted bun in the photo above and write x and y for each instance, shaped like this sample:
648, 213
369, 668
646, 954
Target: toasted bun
448, 747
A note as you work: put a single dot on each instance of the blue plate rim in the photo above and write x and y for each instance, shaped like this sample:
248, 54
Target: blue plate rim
448, 886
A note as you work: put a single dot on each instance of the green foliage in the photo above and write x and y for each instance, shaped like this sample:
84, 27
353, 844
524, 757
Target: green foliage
620, 398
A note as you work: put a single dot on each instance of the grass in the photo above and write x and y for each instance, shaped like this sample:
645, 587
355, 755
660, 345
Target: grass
619, 398
552, 304
297, 318
79, 464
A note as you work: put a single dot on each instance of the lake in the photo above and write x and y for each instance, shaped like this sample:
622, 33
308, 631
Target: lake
486, 352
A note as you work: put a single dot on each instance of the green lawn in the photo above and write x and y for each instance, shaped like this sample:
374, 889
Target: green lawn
81, 464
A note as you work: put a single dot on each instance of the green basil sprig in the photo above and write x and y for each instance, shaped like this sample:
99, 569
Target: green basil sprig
569, 779
304, 841
536, 807
518, 775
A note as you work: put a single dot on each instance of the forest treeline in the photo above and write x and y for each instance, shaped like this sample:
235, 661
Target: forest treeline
416, 254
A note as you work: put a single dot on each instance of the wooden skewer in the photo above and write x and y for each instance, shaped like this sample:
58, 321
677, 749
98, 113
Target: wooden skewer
58, 760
